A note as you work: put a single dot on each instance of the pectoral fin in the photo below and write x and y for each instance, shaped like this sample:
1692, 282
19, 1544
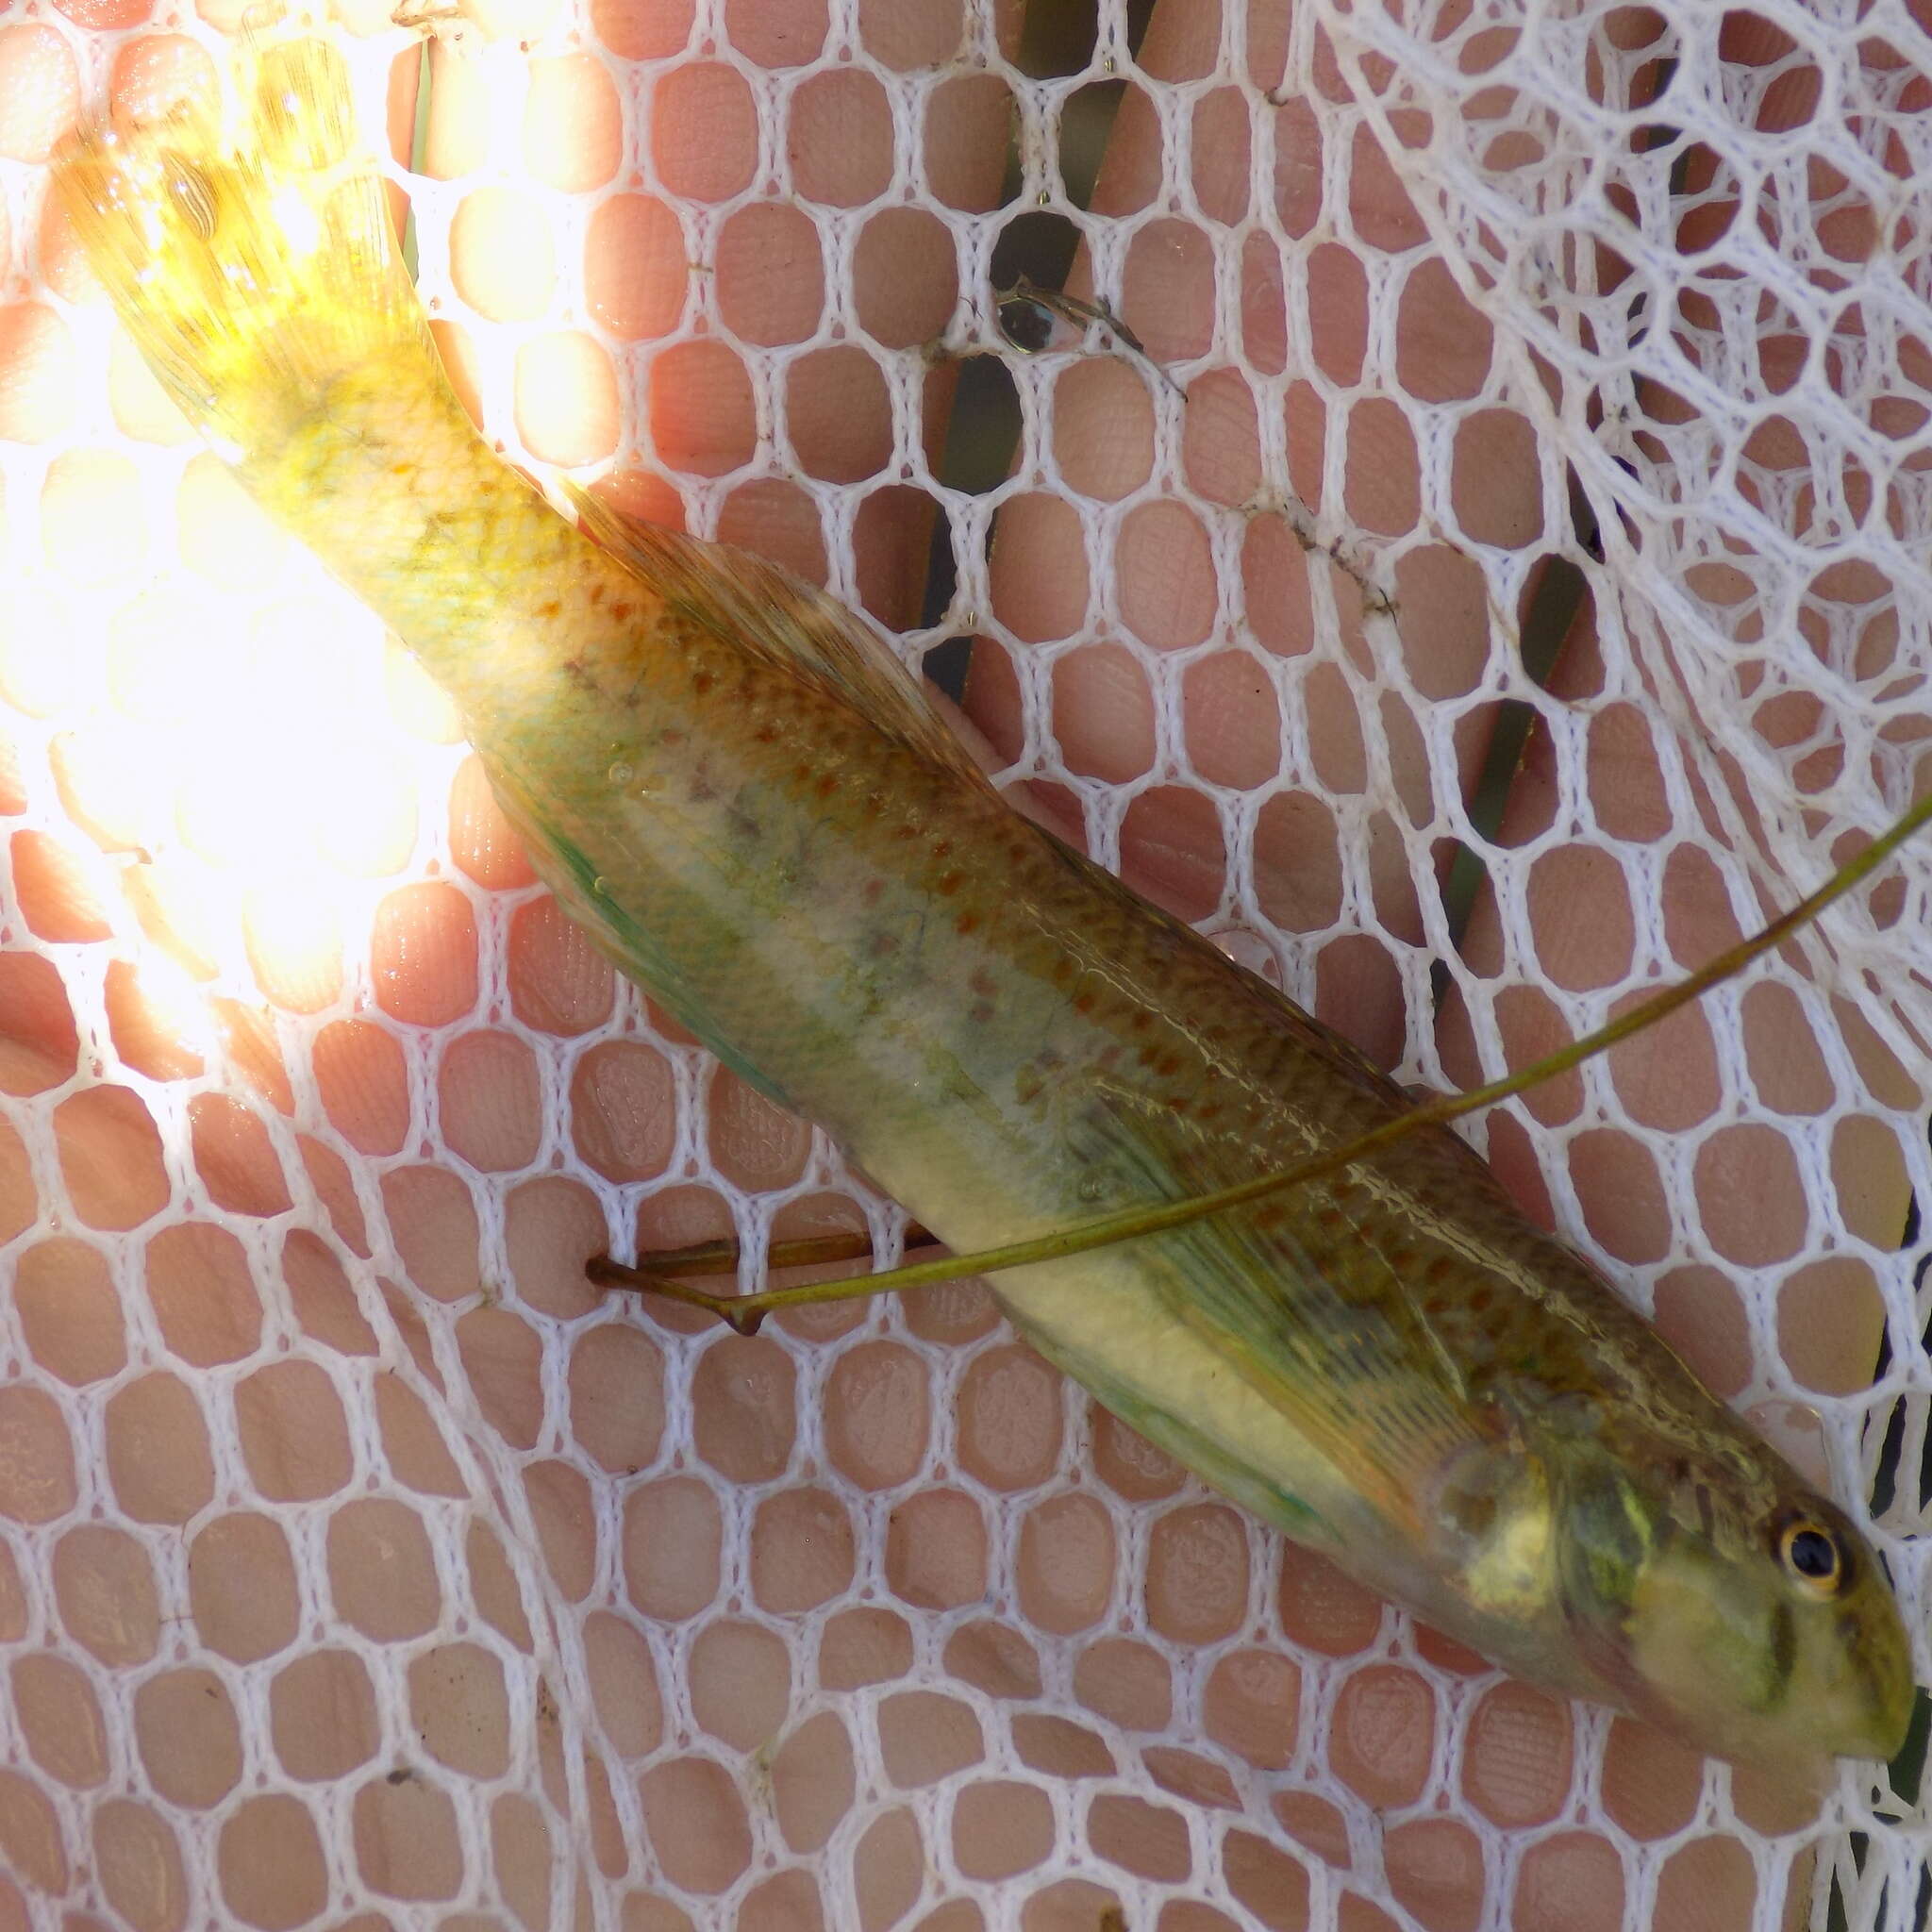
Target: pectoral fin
1335, 1344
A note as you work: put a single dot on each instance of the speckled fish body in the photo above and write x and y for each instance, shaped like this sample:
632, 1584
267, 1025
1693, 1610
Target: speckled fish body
731, 786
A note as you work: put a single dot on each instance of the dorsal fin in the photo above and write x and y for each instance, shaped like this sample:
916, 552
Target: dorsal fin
768, 610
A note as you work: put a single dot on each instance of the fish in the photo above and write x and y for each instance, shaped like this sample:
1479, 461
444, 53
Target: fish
735, 787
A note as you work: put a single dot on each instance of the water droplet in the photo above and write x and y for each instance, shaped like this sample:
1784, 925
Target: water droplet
600, 886
620, 773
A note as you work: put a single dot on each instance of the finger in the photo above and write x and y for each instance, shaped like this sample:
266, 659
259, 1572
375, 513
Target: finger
1737, 1188
684, 242
1278, 696
1275, 707
703, 283
1667, 1170
163, 600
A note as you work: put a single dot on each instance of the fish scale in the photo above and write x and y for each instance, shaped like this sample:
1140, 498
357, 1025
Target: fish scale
730, 783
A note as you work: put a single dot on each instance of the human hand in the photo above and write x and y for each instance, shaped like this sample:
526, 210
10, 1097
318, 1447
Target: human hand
470, 1014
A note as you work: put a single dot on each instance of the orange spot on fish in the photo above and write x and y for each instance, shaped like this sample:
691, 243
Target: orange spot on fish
948, 884
967, 922
596, 594
621, 611
702, 682
549, 607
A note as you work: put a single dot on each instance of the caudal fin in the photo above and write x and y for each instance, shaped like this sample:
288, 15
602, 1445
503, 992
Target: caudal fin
248, 245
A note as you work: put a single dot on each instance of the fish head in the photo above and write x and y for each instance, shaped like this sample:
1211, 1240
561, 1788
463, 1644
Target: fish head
1725, 1601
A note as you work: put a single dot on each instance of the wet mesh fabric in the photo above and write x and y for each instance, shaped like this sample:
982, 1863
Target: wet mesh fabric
359, 1563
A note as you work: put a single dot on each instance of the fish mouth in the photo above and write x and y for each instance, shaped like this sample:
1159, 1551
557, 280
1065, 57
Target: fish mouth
1873, 1639
1869, 1719
1892, 1706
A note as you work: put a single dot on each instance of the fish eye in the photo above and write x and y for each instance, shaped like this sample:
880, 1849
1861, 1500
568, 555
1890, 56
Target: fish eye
1812, 1557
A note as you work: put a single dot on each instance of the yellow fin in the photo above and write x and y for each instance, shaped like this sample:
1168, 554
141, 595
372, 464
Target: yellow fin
737, 595
246, 242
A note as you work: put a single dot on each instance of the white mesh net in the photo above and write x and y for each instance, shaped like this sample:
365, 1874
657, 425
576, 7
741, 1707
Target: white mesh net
356, 1562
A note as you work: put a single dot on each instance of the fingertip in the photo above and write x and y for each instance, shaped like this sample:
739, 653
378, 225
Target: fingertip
573, 122
501, 259
156, 76
566, 399
704, 131
39, 91
39, 376
1038, 577
779, 520
637, 268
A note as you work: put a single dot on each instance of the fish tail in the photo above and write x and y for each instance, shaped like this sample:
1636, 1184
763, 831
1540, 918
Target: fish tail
248, 243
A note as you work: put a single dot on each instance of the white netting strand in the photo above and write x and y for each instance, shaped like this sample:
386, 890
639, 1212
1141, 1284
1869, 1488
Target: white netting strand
357, 1564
